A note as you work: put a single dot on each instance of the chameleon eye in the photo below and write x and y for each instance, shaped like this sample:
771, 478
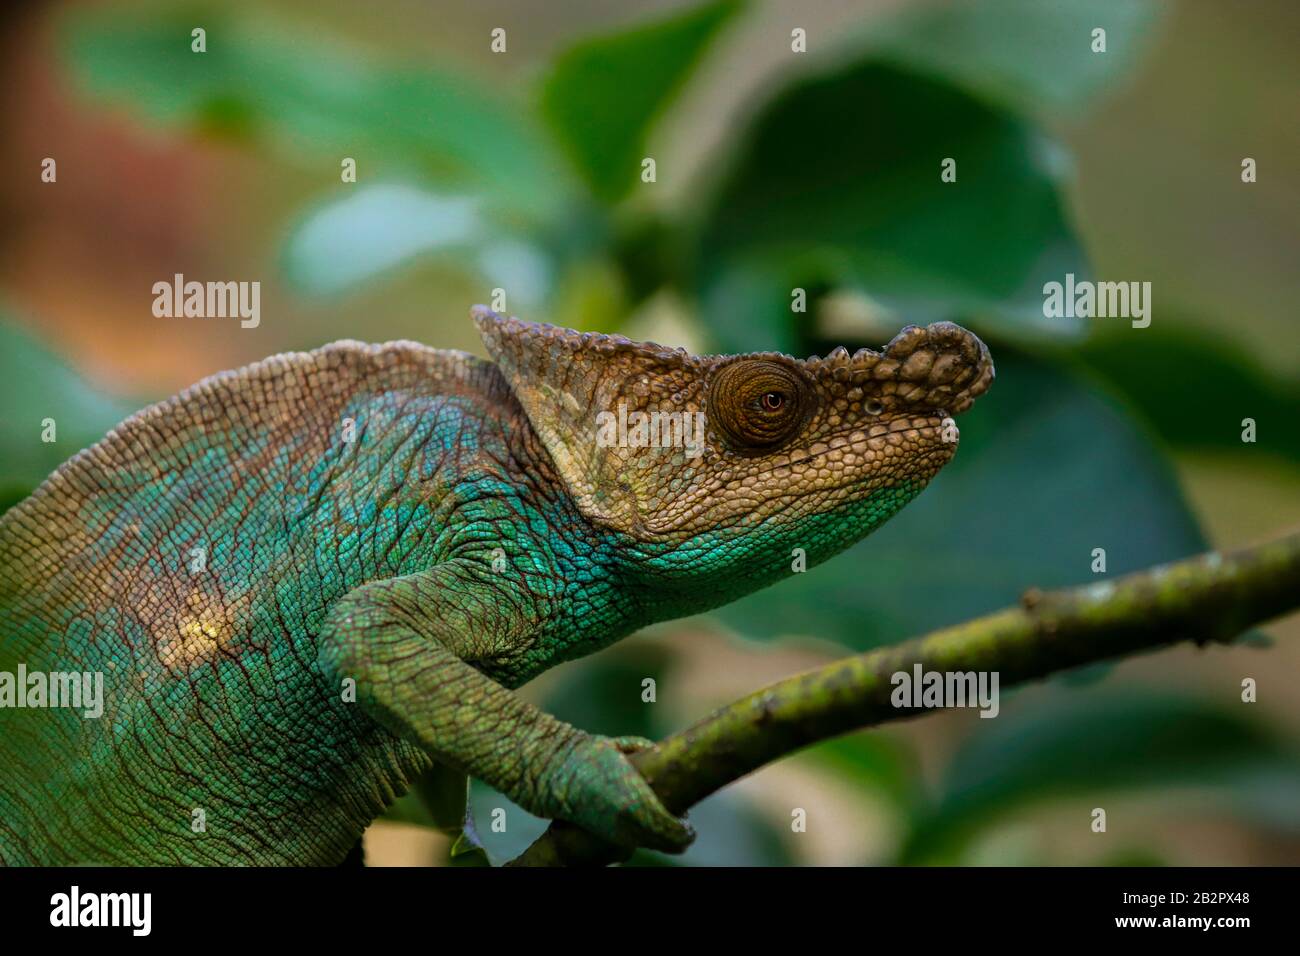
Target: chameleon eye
758, 404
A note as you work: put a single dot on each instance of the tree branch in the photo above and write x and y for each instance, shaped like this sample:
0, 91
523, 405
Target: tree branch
1211, 597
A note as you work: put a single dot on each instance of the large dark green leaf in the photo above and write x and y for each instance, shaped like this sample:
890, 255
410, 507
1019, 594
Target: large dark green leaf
1196, 388
35, 385
1048, 470
605, 93
838, 182
603, 694
272, 82
1100, 742
1030, 53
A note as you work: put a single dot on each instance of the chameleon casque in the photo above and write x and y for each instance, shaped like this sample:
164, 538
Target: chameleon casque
471, 534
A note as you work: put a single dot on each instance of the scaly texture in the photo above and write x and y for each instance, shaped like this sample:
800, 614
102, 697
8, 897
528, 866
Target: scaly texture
308, 581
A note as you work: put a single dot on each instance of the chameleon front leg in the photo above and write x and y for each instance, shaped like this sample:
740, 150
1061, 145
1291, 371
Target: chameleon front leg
402, 639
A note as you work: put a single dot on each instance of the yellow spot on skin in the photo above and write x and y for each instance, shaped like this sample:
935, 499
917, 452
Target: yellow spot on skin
196, 634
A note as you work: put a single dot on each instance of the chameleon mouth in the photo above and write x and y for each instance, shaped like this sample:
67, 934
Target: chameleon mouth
872, 440
848, 454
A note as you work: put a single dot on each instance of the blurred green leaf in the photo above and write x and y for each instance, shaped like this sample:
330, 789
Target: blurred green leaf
1040, 450
1096, 743
444, 813
1195, 388
492, 810
278, 82
36, 385
466, 851
409, 808
604, 94
602, 694
874, 761
838, 181
730, 832
1034, 54
366, 231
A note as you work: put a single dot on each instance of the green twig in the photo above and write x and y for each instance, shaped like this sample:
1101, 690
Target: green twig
1212, 597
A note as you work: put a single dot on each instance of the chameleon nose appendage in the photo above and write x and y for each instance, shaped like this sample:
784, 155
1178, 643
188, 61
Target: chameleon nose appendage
941, 368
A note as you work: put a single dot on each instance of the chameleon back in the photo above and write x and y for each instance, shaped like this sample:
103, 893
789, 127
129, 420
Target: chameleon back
188, 558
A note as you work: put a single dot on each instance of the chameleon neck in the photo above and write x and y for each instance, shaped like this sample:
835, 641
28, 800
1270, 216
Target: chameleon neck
715, 568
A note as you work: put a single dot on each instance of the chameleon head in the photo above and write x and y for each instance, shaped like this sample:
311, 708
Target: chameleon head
692, 451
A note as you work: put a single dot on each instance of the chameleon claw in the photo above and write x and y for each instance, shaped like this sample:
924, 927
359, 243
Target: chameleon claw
606, 794
630, 744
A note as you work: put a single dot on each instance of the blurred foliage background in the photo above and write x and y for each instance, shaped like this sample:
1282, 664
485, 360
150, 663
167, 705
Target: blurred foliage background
521, 170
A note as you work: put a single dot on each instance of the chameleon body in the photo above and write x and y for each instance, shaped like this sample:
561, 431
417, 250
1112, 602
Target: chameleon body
309, 581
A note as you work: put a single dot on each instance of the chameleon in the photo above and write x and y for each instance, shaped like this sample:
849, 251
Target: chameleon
310, 582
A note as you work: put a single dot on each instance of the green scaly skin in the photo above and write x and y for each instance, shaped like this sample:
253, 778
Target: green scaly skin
366, 606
